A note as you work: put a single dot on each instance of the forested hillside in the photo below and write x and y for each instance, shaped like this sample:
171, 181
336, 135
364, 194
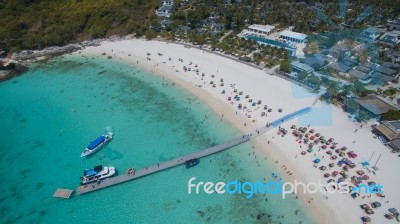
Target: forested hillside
28, 24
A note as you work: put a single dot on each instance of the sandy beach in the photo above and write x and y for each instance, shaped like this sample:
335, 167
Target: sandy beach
168, 60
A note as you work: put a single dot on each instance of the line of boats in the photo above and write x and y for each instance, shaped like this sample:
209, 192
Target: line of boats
99, 173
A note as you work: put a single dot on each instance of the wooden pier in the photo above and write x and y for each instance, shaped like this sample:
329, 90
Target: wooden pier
178, 161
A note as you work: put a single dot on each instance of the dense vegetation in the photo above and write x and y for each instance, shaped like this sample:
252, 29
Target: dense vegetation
392, 115
27, 24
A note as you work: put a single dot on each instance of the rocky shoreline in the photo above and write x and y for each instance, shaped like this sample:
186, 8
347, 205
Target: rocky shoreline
17, 62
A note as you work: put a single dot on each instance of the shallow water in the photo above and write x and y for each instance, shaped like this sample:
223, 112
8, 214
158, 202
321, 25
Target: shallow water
49, 114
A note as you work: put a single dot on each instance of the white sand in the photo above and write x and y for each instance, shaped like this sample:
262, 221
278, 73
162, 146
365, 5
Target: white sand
276, 93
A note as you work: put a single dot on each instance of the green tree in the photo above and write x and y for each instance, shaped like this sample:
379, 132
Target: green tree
150, 34
391, 115
285, 66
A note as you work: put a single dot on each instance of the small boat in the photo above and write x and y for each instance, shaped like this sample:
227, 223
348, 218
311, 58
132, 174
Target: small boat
97, 173
96, 144
192, 162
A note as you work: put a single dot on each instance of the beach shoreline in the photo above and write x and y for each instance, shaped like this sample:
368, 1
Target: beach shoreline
136, 52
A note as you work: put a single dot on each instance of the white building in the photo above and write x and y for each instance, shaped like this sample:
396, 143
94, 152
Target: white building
293, 36
261, 29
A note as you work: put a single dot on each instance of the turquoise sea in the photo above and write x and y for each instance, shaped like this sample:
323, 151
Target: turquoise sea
50, 113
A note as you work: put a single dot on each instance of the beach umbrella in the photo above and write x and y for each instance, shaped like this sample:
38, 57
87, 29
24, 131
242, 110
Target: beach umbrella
355, 195
331, 165
259, 102
324, 146
292, 127
389, 216
323, 141
344, 148
365, 163
329, 152
316, 141
366, 177
333, 146
393, 210
369, 211
303, 153
371, 183
360, 172
335, 173
322, 168
326, 175
309, 150
376, 204
307, 135
346, 168
253, 104
342, 154
318, 134
366, 219
365, 206
312, 131
317, 160
340, 180
331, 139
312, 137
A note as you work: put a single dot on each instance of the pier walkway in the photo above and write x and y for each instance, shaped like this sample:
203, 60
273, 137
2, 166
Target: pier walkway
200, 154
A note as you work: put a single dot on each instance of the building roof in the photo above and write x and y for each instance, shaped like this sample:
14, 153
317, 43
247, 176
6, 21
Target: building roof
358, 74
299, 36
395, 144
302, 67
315, 60
261, 27
339, 67
390, 65
385, 70
385, 131
374, 30
393, 125
166, 22
374, 104
185, 28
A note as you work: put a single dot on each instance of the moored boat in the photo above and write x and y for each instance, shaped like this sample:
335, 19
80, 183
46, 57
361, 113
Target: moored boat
97, 173
192, 162
97, 144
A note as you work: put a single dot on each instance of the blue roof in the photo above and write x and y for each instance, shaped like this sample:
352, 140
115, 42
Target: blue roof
90, 172
96, 142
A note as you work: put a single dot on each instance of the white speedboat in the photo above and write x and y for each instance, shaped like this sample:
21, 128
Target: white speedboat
97, 173
97, 144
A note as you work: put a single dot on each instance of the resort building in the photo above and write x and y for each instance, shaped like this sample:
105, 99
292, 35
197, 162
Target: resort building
371, 34
360, 76
391, 38
165, 8
385, 74
339, 69
338, 51
300, 67
166, 23
293, 36
375, 104
394, 24
390, 130
257, 29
